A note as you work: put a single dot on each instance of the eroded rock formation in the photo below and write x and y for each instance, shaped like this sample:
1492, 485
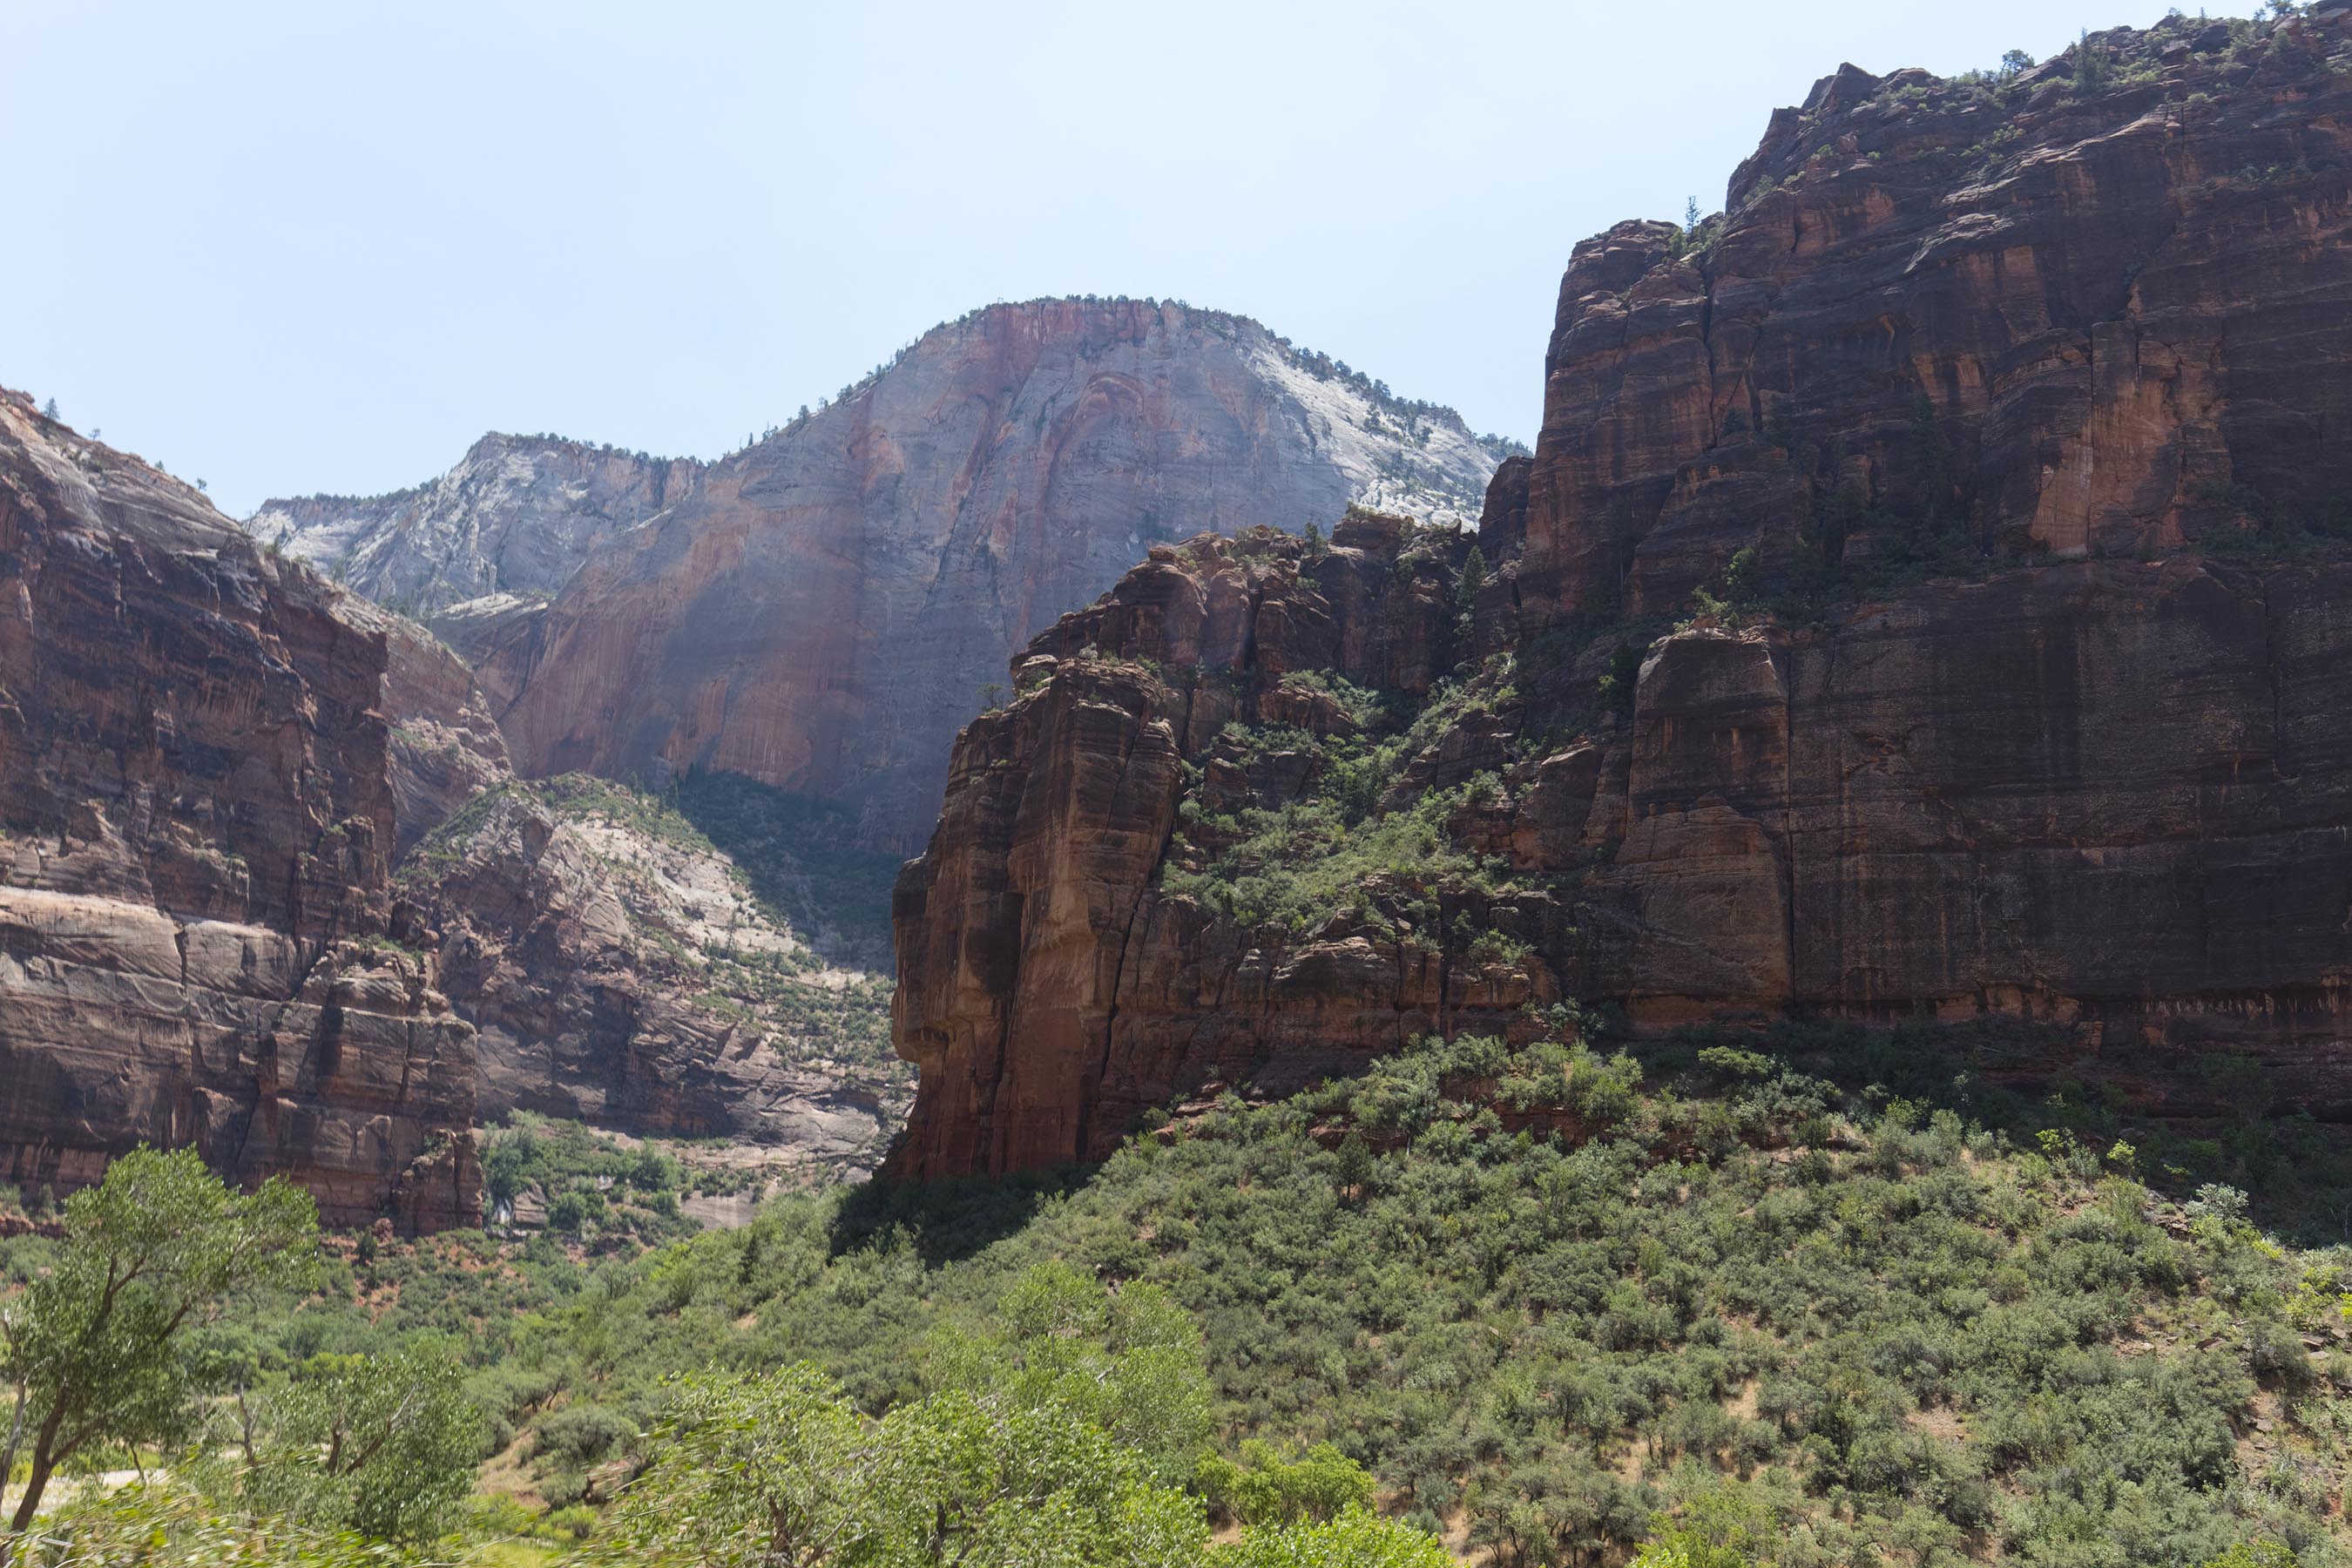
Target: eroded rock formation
197, 808
619, 970
2052, 315
1988, 451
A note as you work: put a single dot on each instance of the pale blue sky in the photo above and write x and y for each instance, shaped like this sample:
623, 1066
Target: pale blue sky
323, 245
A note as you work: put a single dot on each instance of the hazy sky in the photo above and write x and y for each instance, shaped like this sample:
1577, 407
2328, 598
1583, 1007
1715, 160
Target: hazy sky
323, 245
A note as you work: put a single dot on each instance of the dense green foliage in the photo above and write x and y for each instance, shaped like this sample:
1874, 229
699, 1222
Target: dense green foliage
96, 1350
1555, 1299
591, 1183
383, 1444
1063, 1432
1346, 842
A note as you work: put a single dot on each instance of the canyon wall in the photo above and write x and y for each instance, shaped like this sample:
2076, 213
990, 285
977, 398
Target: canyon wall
197, 809
825, 609
2042, 316
1927, 596
820, 611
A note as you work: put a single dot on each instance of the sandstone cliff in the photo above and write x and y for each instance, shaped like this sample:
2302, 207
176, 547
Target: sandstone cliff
2097, 316
197, 806
1927, 595
620, 968
820, 611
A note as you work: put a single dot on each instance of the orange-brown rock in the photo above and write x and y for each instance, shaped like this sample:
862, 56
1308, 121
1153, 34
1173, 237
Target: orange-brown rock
446, 746
198, 805
2021, 395
1050, 988
2102, 794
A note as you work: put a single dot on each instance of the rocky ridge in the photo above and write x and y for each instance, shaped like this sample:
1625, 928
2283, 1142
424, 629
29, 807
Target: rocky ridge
516, 515
620, 970
1927, 597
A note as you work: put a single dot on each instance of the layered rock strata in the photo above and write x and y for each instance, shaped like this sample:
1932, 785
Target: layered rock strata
197, 808
619, 970
2098, 309
1927, 596
820, 611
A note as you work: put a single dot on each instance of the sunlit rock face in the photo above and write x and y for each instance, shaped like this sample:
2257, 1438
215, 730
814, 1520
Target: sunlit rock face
2078, 319
199, 798
827, 609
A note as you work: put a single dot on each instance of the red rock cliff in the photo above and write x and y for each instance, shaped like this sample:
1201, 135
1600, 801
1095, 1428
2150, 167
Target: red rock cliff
2042, 316
197, 808
2024, 397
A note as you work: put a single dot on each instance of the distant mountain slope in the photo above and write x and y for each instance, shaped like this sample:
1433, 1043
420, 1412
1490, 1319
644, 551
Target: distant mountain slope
822, 611
825, 611
517, 514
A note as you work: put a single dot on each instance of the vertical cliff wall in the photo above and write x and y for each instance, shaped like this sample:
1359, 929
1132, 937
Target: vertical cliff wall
2096, 309
1927, 596
197, 806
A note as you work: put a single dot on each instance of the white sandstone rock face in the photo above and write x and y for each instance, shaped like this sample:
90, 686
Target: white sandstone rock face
516, 516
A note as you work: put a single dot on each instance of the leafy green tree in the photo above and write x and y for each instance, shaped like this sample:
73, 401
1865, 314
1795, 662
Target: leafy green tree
1267, 1488
1472, 577
1683, 1549
2253, 1554
779, 1471
385, 1445
1129, 1362
1740, 575
983, 1482
2093, 68
1356, 1539
767, 1471
97, 1348
162, 1524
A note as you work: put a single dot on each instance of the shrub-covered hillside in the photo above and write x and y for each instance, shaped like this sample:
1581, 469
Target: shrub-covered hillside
1558, 1302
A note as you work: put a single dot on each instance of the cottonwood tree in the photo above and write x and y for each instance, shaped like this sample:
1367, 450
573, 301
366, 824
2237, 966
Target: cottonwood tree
385, 1445
96, 1349
1061, 1434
